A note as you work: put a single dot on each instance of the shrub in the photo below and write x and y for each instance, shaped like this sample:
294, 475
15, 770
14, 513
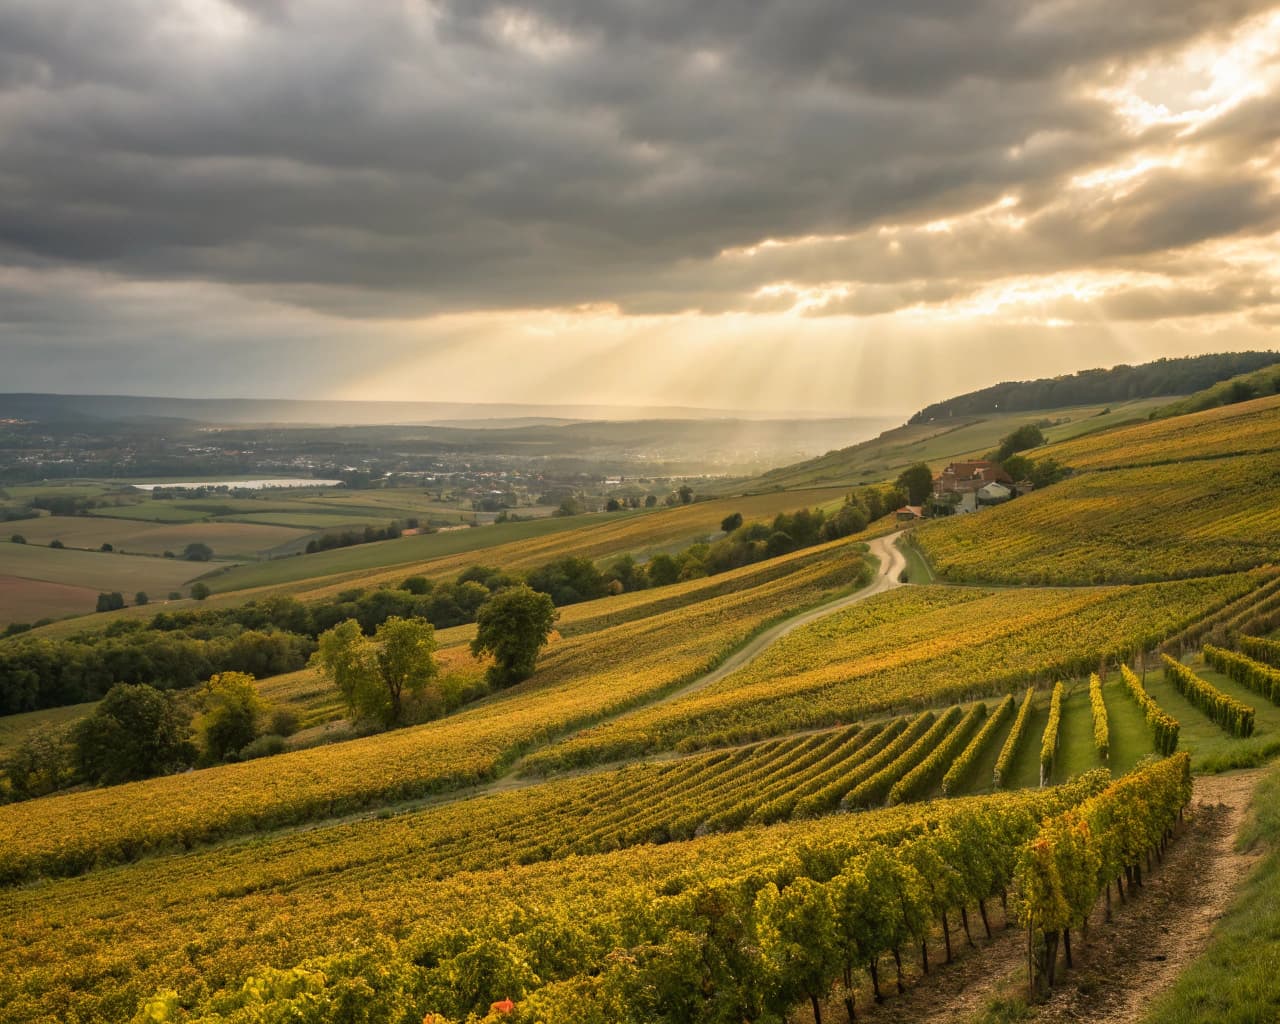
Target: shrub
284, 722
263, 746
110, 602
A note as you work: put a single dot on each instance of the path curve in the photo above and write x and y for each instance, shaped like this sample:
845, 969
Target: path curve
892, 563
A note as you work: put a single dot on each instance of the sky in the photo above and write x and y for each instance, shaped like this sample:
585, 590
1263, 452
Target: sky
809, 205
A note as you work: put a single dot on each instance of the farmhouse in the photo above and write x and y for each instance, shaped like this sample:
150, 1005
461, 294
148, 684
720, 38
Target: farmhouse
909, 512
969, 477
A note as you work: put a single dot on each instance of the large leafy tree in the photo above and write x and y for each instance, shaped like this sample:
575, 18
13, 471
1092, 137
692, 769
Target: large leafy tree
374, 674
1029, 435
513, 626
232, 712
916, 482
136, 732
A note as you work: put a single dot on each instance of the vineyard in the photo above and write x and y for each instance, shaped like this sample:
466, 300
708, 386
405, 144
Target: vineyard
1247, 428
642, 833
580, 679
1173, 521
228, 913
886, 884
913, 647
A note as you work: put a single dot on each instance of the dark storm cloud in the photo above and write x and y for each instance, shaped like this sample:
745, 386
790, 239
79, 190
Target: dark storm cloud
384, 158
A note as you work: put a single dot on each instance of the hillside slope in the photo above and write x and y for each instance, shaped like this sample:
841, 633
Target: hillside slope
884, 457
1065, 407
1190, 496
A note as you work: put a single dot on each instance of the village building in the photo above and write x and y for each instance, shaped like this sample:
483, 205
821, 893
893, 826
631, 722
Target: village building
960, 487
994, 493
969, 477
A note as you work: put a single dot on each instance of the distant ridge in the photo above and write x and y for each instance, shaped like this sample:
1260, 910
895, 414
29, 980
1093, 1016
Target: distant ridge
65, 408
1181, 376
973, 423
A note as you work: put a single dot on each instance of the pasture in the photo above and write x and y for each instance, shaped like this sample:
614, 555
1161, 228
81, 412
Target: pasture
92, 571
233, 540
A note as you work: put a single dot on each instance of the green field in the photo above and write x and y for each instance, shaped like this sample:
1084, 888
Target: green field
233, 540
98, 570
152, 512
286, 507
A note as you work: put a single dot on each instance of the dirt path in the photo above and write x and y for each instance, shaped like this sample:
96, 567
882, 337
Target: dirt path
892, 562
1122, 966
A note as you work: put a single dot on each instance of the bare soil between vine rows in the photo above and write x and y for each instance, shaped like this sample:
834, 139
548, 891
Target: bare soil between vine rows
1120, 967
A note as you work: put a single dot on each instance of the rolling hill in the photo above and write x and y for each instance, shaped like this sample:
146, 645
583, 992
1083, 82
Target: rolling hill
652, 826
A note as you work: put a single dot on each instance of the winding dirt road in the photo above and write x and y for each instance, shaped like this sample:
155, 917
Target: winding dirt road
892, 562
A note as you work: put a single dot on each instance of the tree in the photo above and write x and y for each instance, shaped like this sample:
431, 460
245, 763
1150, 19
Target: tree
56, 544
417, 585
373, 675
134, 733
197, 552
17, 538
43, 762
613, 505
663, 570
779, 543
571, 506
1018, 467
685, 493
1029, 435
917, 482
650, 500
893, 499
569, 580
731, 522
200, 591
628, 572
232, 712
141, 598
1047, 471
107, 546
110, 602
873, 500
852, 518
513, 626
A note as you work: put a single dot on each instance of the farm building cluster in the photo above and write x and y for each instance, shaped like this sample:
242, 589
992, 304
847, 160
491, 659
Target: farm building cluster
966, 487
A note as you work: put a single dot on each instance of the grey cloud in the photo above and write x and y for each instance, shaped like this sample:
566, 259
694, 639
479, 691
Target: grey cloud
390, 159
